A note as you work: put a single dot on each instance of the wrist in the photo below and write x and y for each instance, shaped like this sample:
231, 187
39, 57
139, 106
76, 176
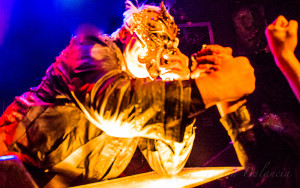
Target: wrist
237, 122
283, 56
287, 62
229, 107
210, 96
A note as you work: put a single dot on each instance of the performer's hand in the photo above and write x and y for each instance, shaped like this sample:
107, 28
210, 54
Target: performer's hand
214, 49
234, 80
282, 36
176, 67
208, 60
12, 114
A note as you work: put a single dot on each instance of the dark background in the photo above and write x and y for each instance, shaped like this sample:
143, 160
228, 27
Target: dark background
32, 33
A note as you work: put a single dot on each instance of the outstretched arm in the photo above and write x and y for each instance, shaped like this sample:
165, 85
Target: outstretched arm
282, 39
117, 103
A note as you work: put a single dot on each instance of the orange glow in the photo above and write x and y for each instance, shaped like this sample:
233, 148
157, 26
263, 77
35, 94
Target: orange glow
188, 177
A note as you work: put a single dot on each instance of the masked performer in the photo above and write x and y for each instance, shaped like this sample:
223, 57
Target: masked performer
105, 96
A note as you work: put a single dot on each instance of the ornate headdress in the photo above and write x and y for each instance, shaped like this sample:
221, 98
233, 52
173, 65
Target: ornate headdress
158, 34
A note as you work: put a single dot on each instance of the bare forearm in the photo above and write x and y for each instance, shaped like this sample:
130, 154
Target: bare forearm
290, 67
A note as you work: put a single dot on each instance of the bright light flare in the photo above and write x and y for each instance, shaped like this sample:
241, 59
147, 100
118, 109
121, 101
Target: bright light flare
7, 157
188, 177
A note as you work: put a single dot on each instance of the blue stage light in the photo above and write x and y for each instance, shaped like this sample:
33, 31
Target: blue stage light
7, 157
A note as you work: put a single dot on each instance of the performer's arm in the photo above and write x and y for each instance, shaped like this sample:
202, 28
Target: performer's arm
226, 83
263, 147
282, 39
114, 101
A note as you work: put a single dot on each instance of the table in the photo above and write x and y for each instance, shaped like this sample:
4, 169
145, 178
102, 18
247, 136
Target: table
188, 177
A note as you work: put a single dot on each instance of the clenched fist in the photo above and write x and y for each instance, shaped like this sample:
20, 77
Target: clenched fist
282, 36
282, 39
